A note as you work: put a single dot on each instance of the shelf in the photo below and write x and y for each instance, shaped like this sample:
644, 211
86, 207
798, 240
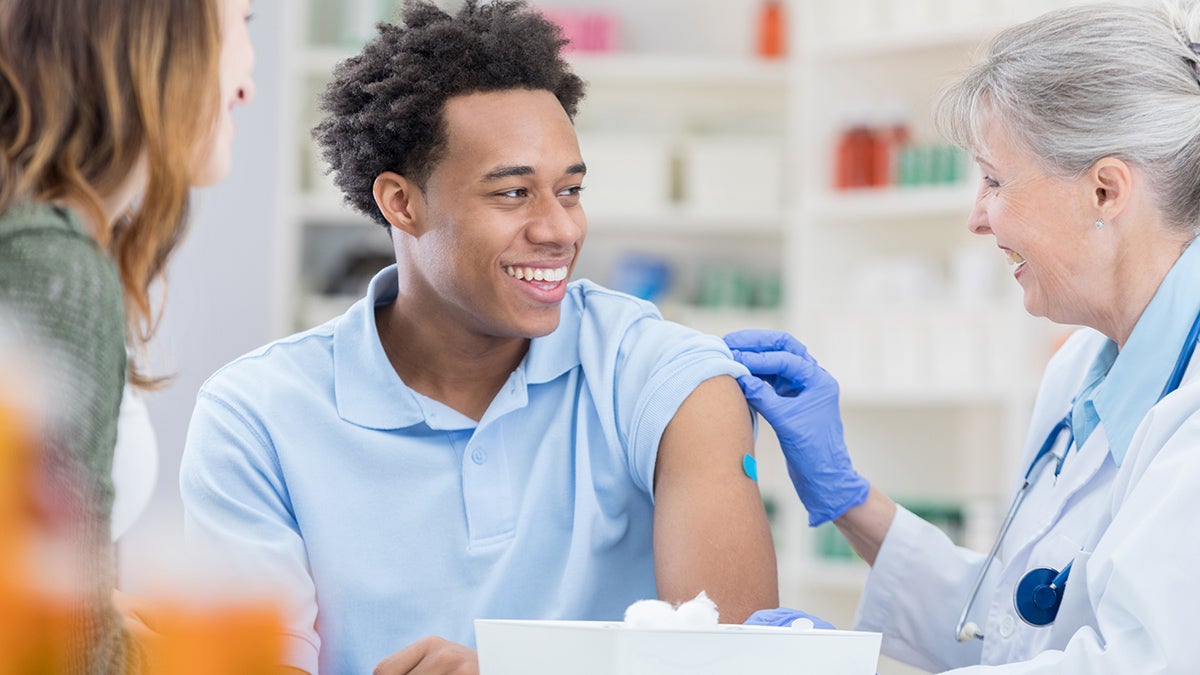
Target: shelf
328, 209
684, 221
679, 70
895, 203
625, 68
722, 320
859, 394
898, 42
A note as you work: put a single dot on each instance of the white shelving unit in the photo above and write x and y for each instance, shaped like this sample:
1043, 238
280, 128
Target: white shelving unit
915, 316
919, 319
714, 98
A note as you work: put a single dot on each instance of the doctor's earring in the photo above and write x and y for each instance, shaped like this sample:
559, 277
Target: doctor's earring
1099, 224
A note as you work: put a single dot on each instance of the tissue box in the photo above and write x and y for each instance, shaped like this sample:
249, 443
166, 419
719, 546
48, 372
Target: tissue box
609, 648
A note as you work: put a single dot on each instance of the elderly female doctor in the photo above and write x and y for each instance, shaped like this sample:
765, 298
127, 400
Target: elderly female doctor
1086, 123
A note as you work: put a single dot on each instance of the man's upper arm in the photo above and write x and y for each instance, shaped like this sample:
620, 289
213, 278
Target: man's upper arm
710, 527
237, 517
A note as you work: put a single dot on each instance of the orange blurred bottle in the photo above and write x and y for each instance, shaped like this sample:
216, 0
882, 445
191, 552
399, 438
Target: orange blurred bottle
772, 30
37, 628
854, 156
225, 639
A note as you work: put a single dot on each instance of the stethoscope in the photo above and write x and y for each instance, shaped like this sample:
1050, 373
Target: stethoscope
1040, 591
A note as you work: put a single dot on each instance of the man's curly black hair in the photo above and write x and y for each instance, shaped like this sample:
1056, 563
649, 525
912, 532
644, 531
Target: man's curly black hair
385, 104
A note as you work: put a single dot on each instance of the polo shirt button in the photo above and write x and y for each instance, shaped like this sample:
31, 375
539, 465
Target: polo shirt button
1006, 626
478, 456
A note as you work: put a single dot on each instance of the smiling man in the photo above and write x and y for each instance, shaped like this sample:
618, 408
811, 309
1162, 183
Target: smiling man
477, 437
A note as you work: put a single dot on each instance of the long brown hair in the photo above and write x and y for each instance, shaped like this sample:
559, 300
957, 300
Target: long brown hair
90, 89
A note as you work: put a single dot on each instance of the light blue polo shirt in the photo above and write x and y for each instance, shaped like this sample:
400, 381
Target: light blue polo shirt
1120, 388
388, 516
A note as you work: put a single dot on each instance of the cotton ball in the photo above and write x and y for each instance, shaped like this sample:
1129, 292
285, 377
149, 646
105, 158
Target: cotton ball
698, 613
802, 625
650, 614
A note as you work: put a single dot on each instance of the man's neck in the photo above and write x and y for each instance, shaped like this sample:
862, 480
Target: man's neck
449, 364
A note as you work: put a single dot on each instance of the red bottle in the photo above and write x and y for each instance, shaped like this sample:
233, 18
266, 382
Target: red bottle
854, 163
890, 137
772, 30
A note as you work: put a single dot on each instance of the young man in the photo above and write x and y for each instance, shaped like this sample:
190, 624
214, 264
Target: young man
476, 438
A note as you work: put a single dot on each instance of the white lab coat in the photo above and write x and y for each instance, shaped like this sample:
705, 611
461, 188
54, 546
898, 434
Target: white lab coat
1133, 532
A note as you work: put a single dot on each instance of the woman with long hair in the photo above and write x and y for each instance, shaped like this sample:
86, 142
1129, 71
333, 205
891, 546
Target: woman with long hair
110, 112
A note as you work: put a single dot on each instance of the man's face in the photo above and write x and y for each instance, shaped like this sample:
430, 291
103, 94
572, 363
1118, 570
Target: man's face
499, 223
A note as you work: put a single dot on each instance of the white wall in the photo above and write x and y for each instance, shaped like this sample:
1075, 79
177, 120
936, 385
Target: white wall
219, 293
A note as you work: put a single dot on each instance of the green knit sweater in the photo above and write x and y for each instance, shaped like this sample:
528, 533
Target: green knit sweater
65, 295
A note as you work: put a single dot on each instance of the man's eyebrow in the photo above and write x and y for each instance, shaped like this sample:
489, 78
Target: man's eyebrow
502, 172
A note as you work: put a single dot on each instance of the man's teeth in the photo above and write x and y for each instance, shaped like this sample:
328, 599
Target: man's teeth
537, 273
1014, 258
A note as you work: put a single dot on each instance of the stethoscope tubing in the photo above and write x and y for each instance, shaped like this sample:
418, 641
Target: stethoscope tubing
960, 630
1185, 358
965, 630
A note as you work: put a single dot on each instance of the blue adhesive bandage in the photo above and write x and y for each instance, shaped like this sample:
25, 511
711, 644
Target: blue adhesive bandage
750, 466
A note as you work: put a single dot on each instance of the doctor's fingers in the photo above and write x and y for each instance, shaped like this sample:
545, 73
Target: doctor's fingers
754, 340
430, 656
756, 391
797, 369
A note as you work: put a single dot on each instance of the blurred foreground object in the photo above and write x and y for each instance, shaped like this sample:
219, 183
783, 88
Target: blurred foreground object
221, 639
38, 620
34, 627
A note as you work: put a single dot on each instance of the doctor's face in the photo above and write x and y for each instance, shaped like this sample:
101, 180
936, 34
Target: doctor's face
500, 223
237, 87
1044, 226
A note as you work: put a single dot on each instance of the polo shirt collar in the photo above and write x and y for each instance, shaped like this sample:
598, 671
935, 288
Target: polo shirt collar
1140, 370
368, 391
370, 394
550, 356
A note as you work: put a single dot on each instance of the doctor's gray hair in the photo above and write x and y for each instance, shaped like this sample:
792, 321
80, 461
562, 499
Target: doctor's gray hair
1079, 84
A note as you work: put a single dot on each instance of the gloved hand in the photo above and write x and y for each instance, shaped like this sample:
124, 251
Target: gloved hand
800, 400
784, 617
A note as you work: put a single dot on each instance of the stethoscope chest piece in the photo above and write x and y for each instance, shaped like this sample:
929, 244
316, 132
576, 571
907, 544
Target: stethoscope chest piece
1038, 596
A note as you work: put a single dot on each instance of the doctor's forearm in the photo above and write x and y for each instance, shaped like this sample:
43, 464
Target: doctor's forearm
865, 525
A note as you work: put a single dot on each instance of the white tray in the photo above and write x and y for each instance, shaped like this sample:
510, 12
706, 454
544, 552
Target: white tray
609, 648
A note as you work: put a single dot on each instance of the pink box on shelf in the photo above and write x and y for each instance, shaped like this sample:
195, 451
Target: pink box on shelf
601, 31
587, 30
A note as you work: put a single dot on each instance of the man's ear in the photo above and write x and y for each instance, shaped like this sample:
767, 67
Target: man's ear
1112, 184
400, 201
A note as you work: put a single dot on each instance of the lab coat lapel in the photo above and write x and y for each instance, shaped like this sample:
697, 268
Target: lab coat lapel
1046, 534
1049, 498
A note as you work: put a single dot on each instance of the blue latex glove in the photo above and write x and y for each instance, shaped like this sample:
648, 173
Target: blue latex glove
784, 617
799, 399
